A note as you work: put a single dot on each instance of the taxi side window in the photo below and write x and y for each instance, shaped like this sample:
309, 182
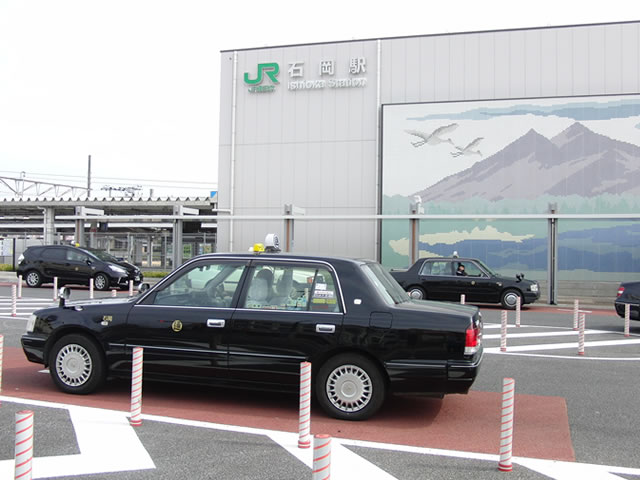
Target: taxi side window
74, 256
212, 285
436, 268
286, 287
325, 296
53, 254
473, 270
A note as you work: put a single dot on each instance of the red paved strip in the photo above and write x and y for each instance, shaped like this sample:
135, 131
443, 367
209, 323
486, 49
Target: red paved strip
458, 422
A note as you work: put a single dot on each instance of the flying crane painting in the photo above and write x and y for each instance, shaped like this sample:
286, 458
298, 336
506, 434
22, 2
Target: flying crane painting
469, 149
433, 138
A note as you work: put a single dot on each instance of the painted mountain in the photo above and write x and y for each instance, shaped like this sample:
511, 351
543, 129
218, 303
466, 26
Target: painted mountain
577, 161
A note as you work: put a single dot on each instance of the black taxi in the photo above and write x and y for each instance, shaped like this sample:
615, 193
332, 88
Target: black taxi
249, 320
447, 278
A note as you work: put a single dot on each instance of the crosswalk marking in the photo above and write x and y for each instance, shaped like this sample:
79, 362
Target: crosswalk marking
533, 335
24, 306
106, 441
561, 346
544, 334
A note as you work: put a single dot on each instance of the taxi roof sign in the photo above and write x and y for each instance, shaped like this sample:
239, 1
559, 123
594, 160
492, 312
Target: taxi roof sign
271, 245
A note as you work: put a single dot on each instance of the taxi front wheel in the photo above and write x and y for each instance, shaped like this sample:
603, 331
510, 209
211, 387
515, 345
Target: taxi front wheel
350, 387
76, 364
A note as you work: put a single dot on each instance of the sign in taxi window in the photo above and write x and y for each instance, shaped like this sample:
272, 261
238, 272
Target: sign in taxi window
285, 287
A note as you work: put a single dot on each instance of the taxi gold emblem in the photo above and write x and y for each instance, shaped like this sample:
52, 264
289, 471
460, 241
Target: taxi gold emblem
176, 326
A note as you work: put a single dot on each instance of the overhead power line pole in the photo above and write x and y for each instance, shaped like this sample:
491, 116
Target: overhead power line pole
89, 179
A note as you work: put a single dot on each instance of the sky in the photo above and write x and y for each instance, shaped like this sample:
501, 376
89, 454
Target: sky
135, 83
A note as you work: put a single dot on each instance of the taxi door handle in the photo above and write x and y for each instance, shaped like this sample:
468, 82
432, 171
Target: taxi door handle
322, 328
215, 323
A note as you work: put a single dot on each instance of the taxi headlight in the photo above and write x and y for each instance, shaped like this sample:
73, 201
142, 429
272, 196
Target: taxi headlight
31, 323
116, 269
534, 288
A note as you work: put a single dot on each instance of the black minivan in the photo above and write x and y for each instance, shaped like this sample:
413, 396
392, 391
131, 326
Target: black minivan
74, 265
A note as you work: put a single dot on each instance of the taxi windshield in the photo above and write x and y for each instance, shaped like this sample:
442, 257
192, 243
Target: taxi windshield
385, 284
102, 255
487, 269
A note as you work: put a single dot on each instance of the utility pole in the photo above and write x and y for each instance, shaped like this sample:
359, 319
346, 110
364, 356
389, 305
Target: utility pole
89, 179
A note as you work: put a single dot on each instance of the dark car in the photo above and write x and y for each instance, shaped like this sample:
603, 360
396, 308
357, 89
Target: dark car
250, 320
441, 278
74, 265
629, 294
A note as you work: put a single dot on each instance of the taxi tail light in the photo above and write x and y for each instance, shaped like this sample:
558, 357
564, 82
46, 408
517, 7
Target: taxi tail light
473, 340
620, 290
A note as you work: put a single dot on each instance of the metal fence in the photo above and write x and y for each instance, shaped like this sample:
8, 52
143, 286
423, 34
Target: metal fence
150, 251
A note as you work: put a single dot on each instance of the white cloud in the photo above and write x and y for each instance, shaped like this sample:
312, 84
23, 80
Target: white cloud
401, 246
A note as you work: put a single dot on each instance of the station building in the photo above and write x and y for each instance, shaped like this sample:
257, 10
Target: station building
519, 147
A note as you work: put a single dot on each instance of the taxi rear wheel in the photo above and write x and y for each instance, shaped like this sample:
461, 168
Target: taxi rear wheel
417, 292
350, 387
76, 364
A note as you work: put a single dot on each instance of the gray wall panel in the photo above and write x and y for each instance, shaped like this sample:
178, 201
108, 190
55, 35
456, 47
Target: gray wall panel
549, 54
533, 63
613, 59
517, 70
471, 63
596, 57
630, 40
580, 42
457, 63
442, 69
502, 50
564, 81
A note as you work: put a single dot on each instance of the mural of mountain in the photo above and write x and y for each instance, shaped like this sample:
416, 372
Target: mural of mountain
577, 161
611, 249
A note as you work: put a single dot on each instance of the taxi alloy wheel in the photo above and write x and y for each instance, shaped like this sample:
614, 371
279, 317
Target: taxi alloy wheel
350, 387
77, 364
101, 282
34, 279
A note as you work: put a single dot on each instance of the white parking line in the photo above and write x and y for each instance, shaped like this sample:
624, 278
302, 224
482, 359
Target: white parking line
562, 346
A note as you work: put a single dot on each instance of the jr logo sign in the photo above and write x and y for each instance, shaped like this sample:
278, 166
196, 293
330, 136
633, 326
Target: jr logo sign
271, 70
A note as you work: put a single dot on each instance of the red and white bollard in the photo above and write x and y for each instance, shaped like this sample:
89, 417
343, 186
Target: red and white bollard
24, 445
576, 311
462, 298
503, 332
627, 317
518, 306
321, 457
581, 334
506, 428
113, 292
136, 387
131, 288
91, 288
55, 288
19, 286
304, 424
14, 301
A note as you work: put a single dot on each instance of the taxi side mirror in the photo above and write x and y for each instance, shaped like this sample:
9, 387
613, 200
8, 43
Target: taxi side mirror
63, 294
